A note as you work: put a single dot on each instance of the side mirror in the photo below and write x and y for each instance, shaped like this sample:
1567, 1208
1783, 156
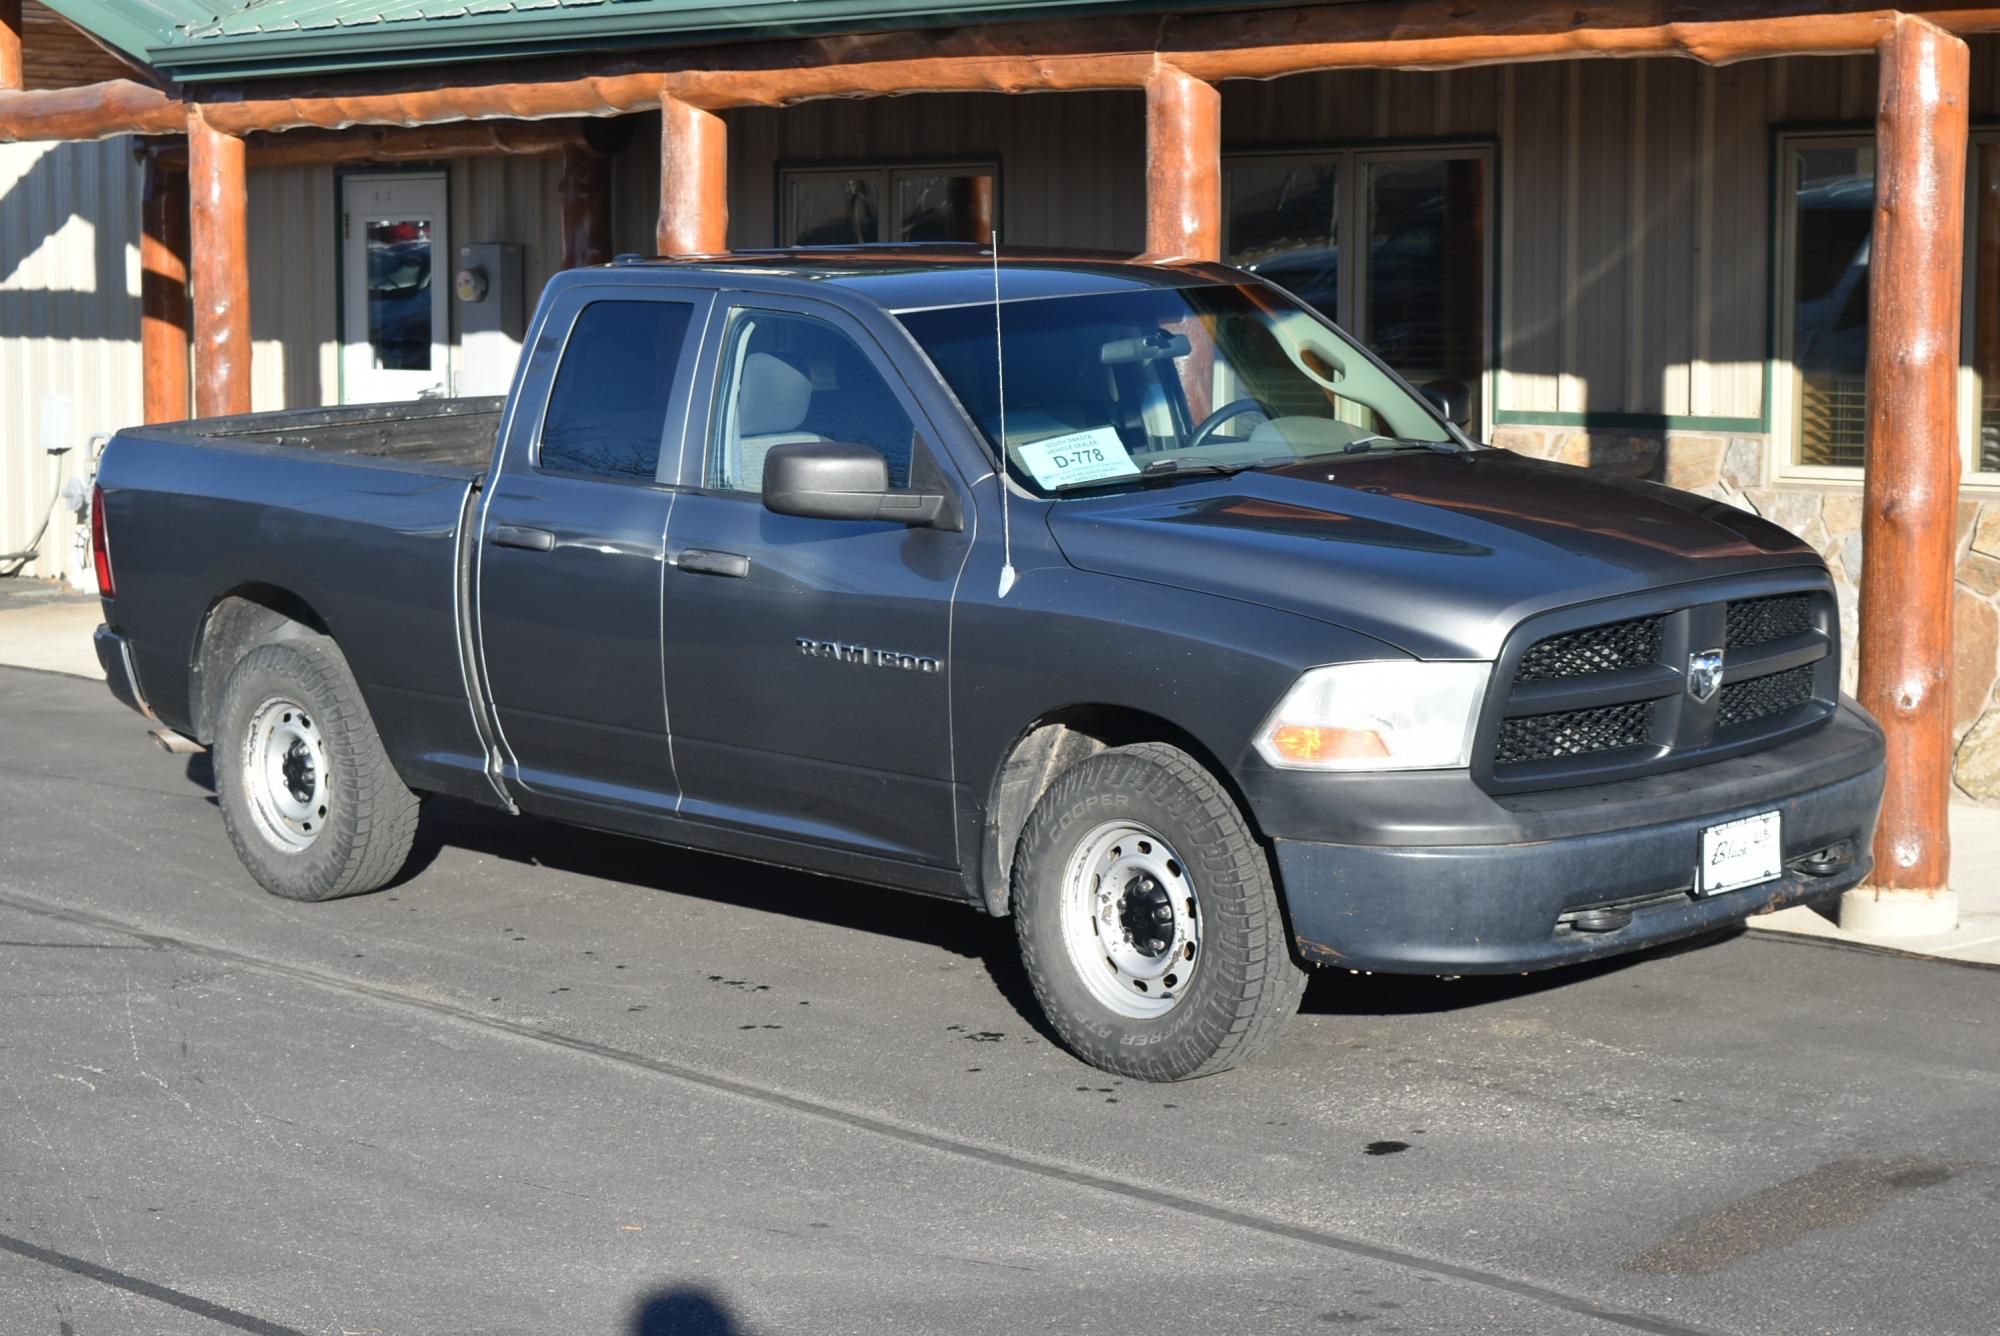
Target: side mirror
829, 481
1452, 401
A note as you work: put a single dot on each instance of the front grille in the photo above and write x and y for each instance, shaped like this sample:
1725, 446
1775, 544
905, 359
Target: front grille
1759, 621
1546, 737
1612, 696
1594, 649
1757, 698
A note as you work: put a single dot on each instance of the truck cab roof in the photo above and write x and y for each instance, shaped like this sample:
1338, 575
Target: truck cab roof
910, 277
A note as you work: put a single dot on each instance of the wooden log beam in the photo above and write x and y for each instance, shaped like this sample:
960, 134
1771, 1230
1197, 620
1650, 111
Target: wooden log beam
391, 144
694, 180
220, 199
13, 73
163, 290
1183, 167
584, 196
90, 111
1910, 493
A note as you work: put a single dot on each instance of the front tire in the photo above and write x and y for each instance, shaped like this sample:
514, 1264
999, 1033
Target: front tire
1148, 920
311, 802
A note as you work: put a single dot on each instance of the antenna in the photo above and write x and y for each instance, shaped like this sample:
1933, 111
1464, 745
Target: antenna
1000, 365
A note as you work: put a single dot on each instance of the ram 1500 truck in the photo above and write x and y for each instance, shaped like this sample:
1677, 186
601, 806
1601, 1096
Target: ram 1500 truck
1208, 650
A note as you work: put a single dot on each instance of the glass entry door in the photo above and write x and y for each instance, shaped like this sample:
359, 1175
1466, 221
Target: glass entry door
396, 335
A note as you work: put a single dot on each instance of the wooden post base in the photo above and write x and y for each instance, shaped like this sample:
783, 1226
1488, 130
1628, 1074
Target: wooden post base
1874, 912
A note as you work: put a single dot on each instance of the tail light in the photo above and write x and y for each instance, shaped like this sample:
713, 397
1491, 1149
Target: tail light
100, 550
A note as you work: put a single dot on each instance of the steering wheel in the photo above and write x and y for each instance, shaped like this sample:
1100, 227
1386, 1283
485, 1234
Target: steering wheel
1235, 409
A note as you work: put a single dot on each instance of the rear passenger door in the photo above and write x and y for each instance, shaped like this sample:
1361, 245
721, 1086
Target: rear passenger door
783, 726
573, 546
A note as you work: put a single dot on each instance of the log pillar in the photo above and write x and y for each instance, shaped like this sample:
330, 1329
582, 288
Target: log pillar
163, 291
1183, 167
11, 76
1910, 495
585, 197
219, 193
694, 180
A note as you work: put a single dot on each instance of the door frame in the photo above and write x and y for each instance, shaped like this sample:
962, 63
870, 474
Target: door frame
342, 176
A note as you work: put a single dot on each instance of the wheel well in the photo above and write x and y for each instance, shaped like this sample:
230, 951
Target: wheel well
1052, 745
236, 623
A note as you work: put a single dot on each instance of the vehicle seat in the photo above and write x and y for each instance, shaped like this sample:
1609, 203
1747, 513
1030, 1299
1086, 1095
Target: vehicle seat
773, 398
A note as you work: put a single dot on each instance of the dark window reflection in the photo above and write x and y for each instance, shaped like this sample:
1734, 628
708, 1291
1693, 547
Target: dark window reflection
944, 207
608, 408
1834, 207
1985, 303
1427, 269
399, 293
1283, 224
832, 211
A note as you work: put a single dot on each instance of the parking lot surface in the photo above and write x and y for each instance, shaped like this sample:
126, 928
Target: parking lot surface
562, 1081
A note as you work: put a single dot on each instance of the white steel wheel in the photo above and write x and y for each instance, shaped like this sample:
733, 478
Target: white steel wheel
285, 774
313, 806
1148, 919
1131, 919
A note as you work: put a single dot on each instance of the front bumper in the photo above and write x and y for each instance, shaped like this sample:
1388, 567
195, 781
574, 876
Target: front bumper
114, 655
1622, 855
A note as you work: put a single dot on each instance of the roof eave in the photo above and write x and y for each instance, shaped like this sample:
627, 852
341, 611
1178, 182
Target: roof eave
403, 44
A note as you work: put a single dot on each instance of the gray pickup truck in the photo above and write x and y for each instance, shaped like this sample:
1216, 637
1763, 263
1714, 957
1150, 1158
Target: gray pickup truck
1208, 649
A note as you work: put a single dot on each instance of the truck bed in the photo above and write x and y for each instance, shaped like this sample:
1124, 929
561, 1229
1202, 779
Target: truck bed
456, 433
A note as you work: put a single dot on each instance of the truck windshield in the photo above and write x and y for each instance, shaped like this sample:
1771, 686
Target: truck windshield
1110, 387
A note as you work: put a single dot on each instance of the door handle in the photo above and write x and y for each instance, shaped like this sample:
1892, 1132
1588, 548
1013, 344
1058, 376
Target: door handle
700, 561
533, 540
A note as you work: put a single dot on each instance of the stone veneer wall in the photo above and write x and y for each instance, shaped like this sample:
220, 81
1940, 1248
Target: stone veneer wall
1736, 469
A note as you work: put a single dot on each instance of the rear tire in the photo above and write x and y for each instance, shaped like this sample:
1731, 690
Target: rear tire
1148, 920
312, 804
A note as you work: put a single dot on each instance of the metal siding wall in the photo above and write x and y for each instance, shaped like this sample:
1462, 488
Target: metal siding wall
510, 200
69, 321
294, 244
1072, 165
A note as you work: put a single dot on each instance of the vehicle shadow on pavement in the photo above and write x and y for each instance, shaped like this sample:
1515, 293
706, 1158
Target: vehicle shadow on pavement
945, 924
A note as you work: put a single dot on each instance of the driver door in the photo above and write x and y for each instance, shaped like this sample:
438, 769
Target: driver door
807, 659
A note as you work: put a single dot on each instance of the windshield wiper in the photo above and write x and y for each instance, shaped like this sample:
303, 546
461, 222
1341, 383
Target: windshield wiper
1164, 466
1367, 443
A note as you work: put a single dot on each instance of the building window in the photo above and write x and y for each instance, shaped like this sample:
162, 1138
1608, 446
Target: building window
1421, 299
852, 206
1828, 193
1981, 388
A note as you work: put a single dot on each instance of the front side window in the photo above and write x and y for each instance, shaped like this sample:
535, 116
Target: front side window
866, 205
1417, 220
792, 379
1105, 388
608, 409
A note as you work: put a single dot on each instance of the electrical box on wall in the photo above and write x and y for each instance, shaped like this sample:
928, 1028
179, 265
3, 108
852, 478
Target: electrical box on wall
491, 316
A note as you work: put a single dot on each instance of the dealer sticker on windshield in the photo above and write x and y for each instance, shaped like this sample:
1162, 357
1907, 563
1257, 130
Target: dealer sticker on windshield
1741, 853
1080, 457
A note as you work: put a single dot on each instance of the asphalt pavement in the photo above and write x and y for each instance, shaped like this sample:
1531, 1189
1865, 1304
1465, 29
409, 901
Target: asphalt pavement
557, 1081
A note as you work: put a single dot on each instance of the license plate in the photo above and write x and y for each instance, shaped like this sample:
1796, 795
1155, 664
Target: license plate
1740, 853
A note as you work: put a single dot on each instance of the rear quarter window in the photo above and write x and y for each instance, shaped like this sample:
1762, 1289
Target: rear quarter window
608, 408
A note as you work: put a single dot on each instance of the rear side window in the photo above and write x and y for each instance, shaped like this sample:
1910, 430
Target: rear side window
608, 409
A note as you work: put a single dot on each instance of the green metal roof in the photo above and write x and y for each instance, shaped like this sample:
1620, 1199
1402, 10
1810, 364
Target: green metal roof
206, 40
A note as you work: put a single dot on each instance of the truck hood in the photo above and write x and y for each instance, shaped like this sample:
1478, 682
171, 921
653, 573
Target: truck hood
1440, 555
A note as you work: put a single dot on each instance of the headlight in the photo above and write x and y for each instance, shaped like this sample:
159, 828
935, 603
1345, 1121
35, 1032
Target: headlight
1383, 714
